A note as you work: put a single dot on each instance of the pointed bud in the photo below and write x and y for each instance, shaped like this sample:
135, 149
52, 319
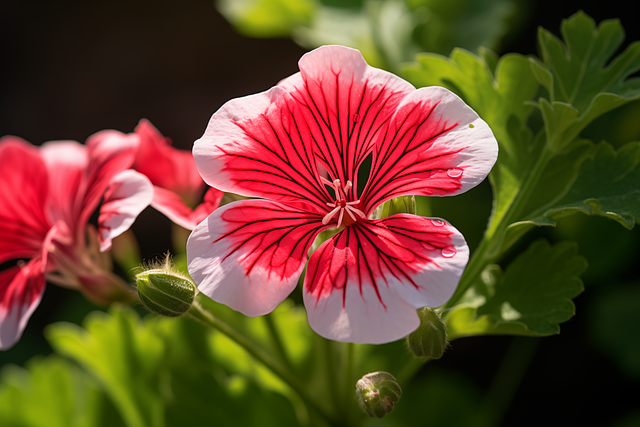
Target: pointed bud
377, 392
403, 204
166, 292
430, 339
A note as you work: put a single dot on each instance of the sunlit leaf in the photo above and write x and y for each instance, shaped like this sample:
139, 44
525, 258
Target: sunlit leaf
531, 297
583, 80
163, 372
608, 184
52, 392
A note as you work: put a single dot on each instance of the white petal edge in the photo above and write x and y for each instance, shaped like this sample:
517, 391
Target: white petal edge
219, 274
472, 135
14, 319
129, 194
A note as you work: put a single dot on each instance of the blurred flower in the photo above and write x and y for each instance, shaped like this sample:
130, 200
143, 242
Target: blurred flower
177, 184
364, 283
47, 196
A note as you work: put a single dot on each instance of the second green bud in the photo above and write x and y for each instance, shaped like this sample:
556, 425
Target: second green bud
430, 339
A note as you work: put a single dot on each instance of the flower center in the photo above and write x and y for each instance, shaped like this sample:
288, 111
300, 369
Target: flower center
346, 212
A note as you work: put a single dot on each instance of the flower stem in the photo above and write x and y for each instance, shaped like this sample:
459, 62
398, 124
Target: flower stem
506, 381
198, 312
332, 377
492, 245
410, 370
277, 342
348, 382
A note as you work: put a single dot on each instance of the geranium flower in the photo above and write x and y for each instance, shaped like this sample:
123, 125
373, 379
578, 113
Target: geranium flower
178, 186
47, 196
365, 283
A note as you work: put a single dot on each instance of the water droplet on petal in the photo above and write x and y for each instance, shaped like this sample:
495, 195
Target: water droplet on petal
449, 252
454, 173
356, 118
437, 223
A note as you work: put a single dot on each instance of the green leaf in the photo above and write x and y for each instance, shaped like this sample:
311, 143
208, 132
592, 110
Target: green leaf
531, 298
163, 372
387, 32
582, 66
124, 356
608, 184
555, 180
468, 24
583, 80
52, 392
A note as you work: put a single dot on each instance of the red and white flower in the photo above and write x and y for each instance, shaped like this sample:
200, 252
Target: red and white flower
47, 196
365, 283
178, 186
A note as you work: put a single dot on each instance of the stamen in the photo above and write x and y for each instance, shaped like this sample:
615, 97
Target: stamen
336, 187
347, 187
340, 218
325, 181
330, 215
356, 211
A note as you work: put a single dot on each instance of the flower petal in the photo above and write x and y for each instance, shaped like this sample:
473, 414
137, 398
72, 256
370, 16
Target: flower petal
79, 175
170, 204
66, 163
166, 166
250, 254
254, 146
345, 102
110, 152
364, 284
435, 145
129, 193
21, 289
23, 197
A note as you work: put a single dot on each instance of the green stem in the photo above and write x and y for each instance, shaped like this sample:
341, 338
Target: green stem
348, 382
277, 342
333, 372
410, 370
200, 313
506, 381
491, 247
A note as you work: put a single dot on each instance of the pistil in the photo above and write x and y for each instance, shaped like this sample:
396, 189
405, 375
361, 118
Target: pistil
340, 205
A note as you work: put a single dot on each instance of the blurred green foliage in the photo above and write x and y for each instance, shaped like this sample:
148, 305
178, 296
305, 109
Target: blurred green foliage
387, 32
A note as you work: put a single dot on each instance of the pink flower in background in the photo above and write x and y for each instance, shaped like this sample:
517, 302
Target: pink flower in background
178, 186
47, 196
365, 283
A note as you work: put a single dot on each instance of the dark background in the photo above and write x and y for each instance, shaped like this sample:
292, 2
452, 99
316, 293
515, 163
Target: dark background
70, 69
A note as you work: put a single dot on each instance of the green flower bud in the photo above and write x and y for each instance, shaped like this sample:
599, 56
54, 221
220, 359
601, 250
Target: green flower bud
377, 392
403, 204
166, 292
430, 339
